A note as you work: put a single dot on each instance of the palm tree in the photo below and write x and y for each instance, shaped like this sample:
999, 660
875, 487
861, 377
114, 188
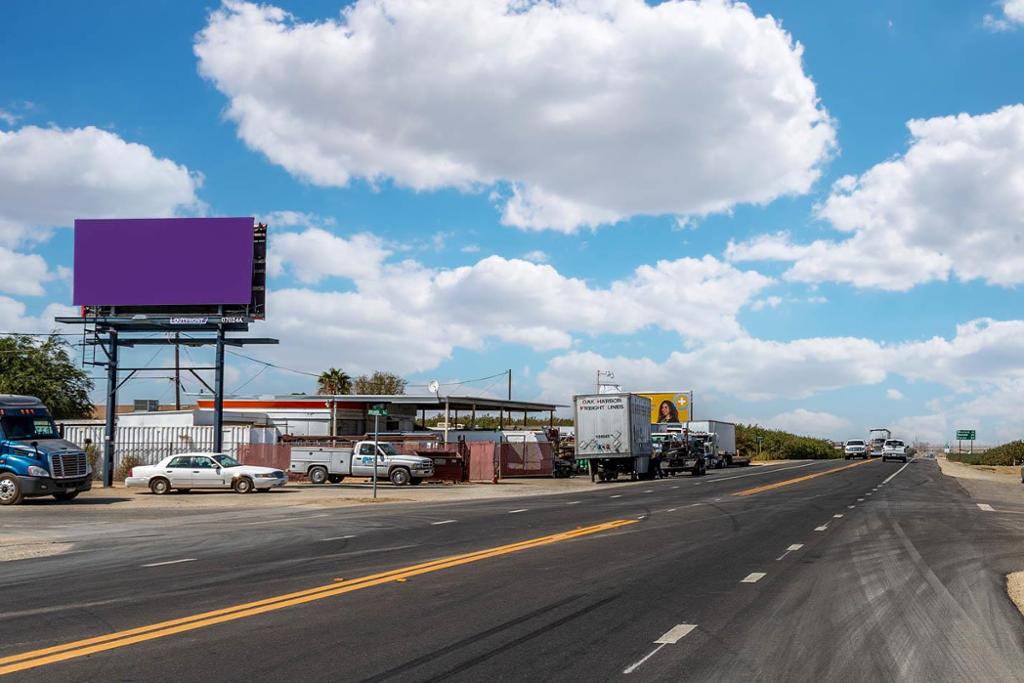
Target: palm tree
332, 382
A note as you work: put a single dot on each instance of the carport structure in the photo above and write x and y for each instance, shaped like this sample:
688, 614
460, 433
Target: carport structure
348, 414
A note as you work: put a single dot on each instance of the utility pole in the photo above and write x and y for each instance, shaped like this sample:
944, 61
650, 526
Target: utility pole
218, 394
110, 424
177, 371
510, 384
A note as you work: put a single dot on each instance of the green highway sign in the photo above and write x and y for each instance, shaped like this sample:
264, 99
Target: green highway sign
965, 434
380, 409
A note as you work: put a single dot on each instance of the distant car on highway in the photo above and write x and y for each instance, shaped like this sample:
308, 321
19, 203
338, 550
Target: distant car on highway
855, 448
188, 471
894, 449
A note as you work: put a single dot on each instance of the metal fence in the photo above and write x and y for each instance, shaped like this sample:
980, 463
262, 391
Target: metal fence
150, 445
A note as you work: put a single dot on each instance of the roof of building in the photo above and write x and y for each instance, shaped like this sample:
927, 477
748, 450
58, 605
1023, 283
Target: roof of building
421, 402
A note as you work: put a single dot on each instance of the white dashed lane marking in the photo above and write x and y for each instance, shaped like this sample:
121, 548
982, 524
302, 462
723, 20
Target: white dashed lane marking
162, 564
986, 507
754, 577
671, 637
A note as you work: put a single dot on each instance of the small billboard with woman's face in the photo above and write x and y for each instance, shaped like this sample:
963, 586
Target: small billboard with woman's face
668, 407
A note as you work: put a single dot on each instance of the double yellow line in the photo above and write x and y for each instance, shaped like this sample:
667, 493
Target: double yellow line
111, 641
797, 480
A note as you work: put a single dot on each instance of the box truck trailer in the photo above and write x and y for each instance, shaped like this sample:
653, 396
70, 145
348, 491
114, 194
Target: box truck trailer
613, 435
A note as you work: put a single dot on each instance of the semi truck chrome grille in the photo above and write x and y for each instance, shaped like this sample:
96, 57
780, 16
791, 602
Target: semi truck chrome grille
68, 465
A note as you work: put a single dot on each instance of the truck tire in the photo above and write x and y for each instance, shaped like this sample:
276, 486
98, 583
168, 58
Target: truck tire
318, 475
335, 478
65, 496
400, 476
10, 490
159, 486
243, 485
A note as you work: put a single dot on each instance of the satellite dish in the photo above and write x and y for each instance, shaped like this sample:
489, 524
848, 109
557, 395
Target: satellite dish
434, 386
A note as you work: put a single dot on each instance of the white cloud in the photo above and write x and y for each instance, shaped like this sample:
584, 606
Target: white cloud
929, 428
315, 254
23, 273
984, 355
417, 316
982, 351
50, 176
894, 394
1012, 16
14, 317
557, 99
8, 118
953, 204
808, 423
767, 302
536, 256
470, 249
746, 368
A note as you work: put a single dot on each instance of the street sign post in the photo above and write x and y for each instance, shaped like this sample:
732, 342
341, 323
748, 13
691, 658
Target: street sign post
965, 435
378, 410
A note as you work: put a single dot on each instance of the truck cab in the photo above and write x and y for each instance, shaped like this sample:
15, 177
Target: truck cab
34, 460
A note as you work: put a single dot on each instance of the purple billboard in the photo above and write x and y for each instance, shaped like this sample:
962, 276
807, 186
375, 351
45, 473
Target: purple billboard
163, 262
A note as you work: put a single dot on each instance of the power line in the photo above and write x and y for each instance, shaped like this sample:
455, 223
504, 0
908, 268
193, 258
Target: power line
465, 381
273, 365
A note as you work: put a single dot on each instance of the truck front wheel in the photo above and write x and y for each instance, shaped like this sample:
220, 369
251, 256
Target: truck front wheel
400, 476
318, 475
10, 490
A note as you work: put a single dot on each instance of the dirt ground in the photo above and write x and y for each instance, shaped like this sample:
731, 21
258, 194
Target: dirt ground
996, 473
20, 548
1015, 587
345, 494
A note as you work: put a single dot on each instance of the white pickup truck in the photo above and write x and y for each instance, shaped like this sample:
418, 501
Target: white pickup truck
324, 465
894, 449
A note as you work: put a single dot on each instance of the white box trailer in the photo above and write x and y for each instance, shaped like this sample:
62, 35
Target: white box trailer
613, 434
721, 441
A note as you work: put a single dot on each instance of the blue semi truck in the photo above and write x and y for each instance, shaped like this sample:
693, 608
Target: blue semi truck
34, 460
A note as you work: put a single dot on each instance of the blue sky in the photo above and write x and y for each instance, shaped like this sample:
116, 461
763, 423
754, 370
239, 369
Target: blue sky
391, 177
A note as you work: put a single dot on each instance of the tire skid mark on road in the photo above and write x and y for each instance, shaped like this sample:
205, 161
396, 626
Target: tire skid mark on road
111, 641
798, 480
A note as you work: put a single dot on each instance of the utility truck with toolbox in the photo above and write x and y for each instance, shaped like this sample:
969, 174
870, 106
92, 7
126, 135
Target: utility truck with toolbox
34, 460
322, 465
613, 434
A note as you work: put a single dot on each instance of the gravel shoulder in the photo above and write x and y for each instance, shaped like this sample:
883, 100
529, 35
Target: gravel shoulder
1015, 587
21, 548
999, 474
349, 493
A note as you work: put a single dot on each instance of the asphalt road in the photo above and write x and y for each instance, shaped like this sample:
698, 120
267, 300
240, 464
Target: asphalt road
870, 572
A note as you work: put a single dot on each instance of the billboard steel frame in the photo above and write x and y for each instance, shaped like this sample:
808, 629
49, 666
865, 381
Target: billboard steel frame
106, 334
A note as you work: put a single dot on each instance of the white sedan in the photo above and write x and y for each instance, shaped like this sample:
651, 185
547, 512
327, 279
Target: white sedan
204, 471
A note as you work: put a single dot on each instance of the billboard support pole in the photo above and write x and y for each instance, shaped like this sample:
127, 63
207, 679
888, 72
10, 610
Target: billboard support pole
218, 394
177, 371
110, 425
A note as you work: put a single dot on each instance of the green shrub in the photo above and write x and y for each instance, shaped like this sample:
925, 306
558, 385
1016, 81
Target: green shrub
780, 445
124, 468
92, 453
1007, 454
